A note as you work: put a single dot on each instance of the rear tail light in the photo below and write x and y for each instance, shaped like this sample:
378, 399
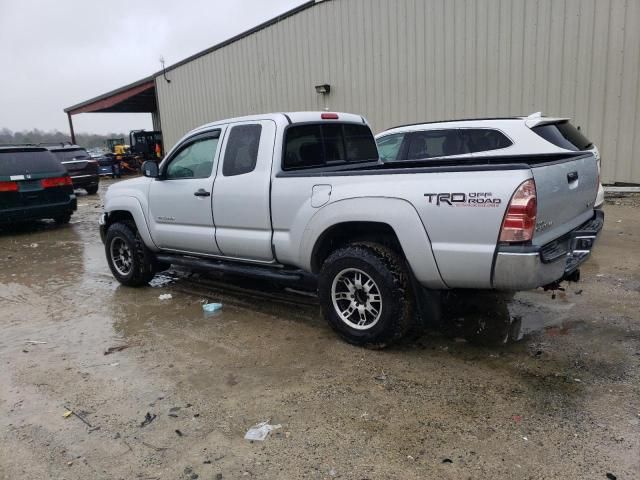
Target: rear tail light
329, 116
8, 186
520, 220
56, 182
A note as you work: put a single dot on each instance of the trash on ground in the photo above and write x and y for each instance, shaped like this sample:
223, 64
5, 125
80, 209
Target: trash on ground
260, 431
118, 348
68, 412
35, 342
161, 280
179, 433
517, 418
611, 476
148, 418
382, 377
165, 296
447, 460
211, 307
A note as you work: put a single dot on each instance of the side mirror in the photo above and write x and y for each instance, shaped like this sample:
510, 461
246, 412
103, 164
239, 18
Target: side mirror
150, 169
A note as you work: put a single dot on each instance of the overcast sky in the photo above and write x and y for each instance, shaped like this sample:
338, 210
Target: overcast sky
56, 53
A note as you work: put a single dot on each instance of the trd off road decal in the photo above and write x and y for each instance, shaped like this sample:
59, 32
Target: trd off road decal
471, 199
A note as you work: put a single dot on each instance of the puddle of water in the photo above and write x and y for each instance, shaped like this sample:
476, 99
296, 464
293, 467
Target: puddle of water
493, 318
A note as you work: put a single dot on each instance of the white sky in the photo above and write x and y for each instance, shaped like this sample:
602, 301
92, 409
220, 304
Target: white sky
56, 53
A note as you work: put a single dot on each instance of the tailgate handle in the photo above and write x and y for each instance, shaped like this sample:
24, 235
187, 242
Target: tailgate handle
572, 177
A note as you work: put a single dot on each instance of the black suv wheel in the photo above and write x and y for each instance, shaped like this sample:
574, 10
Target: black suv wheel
366, 295
130, 261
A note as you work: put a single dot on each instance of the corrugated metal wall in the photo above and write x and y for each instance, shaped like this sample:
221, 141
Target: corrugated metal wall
406, 61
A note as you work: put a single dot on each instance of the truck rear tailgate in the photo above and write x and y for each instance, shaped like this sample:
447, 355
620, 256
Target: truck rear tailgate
566, 192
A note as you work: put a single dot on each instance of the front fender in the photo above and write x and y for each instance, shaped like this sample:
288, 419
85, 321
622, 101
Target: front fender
399, 214
133, 206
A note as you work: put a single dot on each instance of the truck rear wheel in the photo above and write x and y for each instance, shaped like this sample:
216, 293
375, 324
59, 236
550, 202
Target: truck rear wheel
130, 261
366, 295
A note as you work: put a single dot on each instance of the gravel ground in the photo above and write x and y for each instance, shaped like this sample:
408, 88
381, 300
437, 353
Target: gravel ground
536, 385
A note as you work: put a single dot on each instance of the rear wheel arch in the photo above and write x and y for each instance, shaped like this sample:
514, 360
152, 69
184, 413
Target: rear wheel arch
400, 221
344, 233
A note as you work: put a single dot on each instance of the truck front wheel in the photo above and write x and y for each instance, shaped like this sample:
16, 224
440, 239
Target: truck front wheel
130, 261
365, 294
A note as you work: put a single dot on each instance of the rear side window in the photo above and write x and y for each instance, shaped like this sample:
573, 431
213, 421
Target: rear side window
389, 146
436, 143
25, 162
69, 154
484, 139
563, 135
241, 154
315, 145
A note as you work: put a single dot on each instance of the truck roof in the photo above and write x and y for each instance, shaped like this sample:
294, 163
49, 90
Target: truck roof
289, 118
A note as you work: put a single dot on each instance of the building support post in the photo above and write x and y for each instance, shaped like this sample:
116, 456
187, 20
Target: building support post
73, 134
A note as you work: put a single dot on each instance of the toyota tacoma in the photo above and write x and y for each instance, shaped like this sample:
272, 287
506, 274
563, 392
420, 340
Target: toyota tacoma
303, 198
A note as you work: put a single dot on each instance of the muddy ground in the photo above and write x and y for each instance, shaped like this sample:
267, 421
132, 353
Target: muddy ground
559, 399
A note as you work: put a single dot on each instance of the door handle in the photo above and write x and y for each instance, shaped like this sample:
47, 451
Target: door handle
572, 177
201, 193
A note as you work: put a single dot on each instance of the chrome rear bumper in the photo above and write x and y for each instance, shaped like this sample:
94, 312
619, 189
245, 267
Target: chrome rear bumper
527, 267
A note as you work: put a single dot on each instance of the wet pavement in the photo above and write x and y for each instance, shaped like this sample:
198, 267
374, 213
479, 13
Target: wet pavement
536, 385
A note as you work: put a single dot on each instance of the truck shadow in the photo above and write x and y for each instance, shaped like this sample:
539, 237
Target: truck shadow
483, 318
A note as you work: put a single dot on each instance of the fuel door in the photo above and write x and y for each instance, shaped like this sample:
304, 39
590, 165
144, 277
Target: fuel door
320, 195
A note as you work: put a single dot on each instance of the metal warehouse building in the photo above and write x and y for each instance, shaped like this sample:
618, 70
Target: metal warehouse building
405, 61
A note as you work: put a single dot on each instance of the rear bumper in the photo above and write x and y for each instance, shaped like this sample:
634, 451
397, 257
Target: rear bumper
85, 180
38, 212
527, 267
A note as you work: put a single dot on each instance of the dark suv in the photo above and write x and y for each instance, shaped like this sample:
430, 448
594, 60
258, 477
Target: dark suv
33, 185
81, 167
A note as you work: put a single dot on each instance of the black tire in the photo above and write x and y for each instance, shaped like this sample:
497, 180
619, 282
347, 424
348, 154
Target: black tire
92, 190
63, 219
391, 277
141, 266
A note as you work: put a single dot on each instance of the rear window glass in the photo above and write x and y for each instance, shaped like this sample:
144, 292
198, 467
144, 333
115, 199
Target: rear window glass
484, 139
69, 154
563, 135
21, 162
241, 153
321, 144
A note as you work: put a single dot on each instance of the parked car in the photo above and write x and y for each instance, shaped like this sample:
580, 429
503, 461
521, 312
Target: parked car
81, 167
303, 197
33, 185
463, 139
107, 164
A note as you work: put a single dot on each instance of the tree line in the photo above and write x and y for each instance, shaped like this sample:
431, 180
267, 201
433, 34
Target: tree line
35, 136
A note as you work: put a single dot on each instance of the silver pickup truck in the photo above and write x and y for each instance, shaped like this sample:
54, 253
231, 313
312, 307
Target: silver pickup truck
302, 198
